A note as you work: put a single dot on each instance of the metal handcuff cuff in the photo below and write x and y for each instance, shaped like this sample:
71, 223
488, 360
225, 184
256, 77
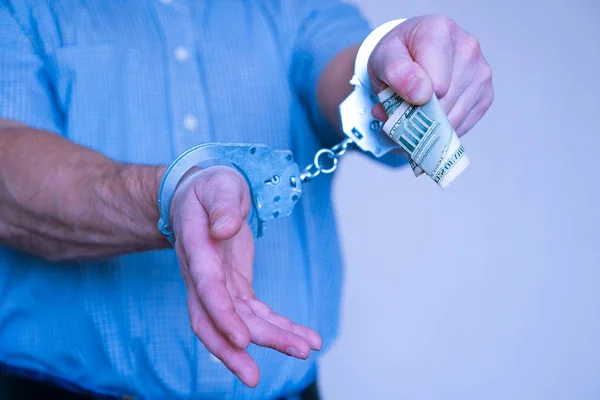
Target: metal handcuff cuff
274, 179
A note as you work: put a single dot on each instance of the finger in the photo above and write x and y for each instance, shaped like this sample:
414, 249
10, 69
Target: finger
236, 360
463, 106
391, 64
432, 46
239, 252
476, 113
460, 82
474, 101
202, 262
467, 63
269, 335
379, 113
264, 311
218, 303
224, 194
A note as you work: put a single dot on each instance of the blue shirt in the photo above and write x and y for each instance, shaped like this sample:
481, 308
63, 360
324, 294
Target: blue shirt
141, 81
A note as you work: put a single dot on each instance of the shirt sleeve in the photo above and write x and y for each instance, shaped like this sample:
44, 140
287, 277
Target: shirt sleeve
327, 27
25, 82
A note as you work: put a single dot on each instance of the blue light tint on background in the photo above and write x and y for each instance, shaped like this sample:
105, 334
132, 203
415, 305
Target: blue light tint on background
496, 293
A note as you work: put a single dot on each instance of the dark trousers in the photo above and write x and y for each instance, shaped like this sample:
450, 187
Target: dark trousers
13, 387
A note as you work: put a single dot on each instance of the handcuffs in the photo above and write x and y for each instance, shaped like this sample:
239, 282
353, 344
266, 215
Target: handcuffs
276, 181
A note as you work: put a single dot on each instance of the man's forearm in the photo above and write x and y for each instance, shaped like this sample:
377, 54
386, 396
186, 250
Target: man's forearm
334, 85
62, 201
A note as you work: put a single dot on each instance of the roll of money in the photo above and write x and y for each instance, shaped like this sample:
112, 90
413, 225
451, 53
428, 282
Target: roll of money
427, 137
392, 102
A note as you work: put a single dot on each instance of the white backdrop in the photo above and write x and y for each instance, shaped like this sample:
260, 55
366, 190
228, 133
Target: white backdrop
490, 289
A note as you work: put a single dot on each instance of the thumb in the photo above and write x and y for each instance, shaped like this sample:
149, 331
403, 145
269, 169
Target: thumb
391, 64
224, 194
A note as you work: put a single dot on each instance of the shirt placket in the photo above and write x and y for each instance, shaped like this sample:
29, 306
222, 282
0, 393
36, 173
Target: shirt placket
187, 95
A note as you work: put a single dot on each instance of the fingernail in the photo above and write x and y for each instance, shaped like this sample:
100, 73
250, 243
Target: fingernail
417, 89
315, 341
294, 352
221, 222
315, 345
247, 374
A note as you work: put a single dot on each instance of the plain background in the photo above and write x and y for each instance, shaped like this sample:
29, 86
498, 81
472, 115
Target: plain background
490, 289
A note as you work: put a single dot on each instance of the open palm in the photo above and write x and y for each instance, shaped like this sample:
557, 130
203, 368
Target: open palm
215, 248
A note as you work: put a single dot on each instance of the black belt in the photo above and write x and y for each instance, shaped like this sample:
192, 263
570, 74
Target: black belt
15, 387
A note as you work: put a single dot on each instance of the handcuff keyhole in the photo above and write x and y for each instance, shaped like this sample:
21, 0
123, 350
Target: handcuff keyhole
275, 179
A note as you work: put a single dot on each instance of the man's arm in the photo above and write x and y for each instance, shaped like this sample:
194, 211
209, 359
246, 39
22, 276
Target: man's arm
63, 201
334, 86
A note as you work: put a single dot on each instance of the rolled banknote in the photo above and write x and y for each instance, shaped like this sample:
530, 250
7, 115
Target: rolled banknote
427, 137
390, 104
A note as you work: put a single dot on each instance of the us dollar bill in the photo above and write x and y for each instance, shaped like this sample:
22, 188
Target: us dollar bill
427, 137
391, 103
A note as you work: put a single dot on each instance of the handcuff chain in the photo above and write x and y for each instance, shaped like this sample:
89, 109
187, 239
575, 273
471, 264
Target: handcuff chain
333, 154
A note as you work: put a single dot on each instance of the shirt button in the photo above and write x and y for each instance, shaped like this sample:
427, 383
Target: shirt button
182, 54
190, 122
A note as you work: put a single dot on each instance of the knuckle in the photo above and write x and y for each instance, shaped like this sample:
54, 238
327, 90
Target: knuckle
485, 72
447, 23
442, 25
286, 324
219, 208
261, 309
199, 325
469, 46
398, 73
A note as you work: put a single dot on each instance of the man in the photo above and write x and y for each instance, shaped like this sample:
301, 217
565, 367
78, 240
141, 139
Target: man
96, 98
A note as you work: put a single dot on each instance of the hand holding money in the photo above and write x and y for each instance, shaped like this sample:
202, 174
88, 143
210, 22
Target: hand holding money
427, 137
434, 84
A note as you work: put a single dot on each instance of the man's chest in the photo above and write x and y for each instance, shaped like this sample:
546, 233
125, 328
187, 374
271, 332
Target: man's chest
140, 78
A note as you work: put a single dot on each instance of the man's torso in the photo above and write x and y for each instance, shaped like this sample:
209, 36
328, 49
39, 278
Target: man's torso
141, 81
